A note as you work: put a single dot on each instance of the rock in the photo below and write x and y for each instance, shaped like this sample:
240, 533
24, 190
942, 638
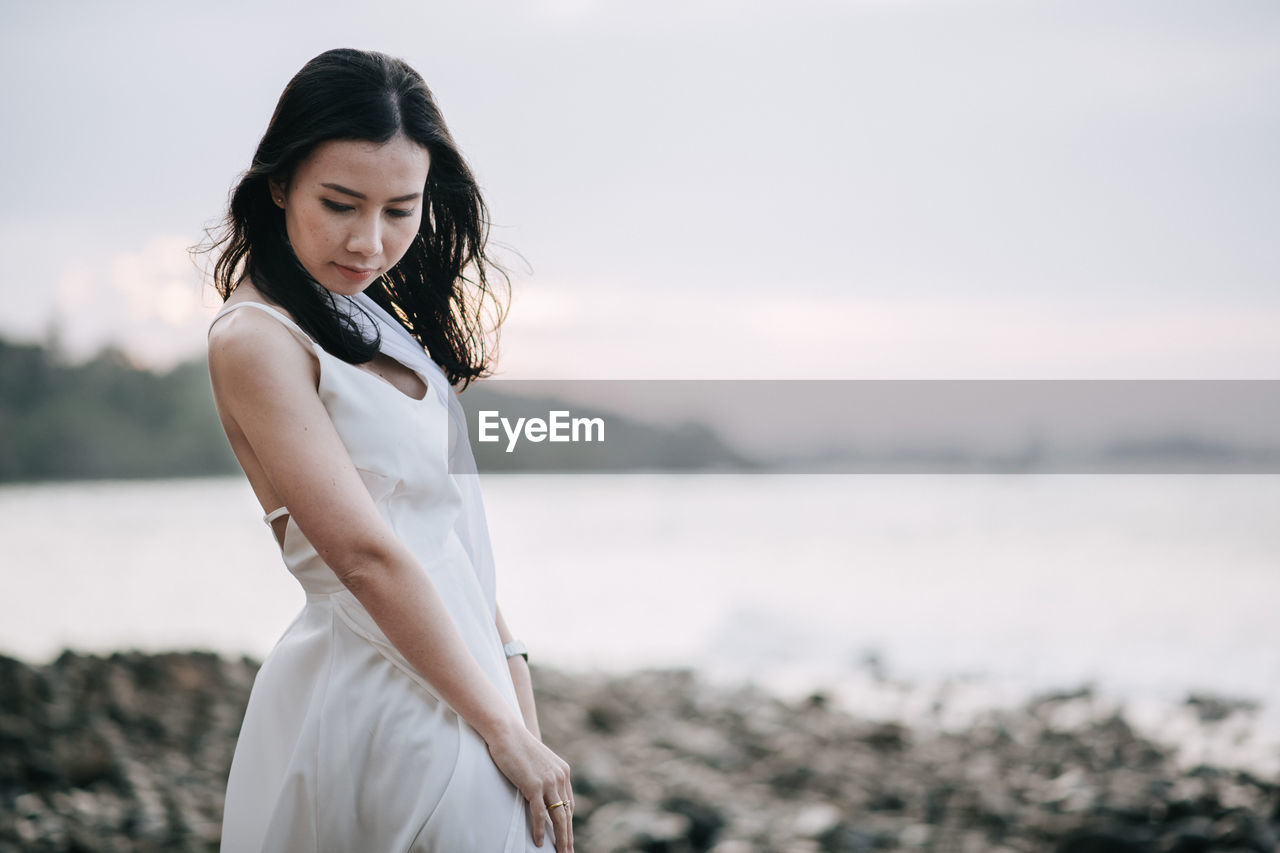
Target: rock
735, 845
705, 820
887, 737
915, 835
846, 838
131, 751
816, 819
1212, 709
627, 826
1101, 841
1241, 829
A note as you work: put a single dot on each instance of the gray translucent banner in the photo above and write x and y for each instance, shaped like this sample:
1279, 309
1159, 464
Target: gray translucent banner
877, 427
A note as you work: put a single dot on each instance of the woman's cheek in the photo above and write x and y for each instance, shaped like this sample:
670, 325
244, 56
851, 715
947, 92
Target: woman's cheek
404, 240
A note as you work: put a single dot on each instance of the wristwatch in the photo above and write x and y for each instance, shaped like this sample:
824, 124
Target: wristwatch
516, 647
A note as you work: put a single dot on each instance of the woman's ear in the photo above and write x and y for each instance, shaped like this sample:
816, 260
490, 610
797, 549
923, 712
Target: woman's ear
277, 192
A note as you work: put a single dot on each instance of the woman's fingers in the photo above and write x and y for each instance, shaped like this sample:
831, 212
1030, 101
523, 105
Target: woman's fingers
562, 823
568, 787
566, 797
538, 819
567, 808
558, 810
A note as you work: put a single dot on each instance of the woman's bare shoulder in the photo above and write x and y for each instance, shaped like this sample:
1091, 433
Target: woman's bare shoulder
252, 344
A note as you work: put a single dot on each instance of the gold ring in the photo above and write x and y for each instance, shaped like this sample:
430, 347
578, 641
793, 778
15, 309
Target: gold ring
555, 805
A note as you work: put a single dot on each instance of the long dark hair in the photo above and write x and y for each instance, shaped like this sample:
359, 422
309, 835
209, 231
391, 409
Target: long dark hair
440, 290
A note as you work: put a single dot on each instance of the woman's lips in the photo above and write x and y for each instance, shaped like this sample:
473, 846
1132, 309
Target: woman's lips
354, 273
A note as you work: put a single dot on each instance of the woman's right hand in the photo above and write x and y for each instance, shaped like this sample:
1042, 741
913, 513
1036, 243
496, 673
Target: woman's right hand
542, 777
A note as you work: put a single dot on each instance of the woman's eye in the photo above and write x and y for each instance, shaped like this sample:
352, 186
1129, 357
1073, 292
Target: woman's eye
399, 213
340, 208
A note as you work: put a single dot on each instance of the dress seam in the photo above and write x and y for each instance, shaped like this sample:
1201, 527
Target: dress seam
453, 771
324, 705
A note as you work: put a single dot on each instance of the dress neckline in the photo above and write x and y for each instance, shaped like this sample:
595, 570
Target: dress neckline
426, 384
426, 381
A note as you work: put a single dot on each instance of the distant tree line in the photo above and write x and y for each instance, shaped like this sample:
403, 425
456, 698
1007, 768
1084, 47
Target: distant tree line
105, 418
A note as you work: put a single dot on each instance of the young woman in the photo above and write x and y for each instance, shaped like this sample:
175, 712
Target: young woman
396, 711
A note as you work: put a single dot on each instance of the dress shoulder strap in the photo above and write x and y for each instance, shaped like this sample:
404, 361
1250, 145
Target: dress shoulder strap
285, 321
274, 514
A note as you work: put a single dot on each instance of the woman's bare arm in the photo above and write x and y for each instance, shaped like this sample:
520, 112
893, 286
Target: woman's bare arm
264, 381
522, 680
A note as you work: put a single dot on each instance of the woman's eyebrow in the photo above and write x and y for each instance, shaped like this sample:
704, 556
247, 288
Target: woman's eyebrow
342, 189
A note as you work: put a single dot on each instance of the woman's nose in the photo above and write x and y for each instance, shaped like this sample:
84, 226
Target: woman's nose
365, 237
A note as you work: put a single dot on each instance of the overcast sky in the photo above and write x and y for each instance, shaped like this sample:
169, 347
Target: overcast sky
883, 189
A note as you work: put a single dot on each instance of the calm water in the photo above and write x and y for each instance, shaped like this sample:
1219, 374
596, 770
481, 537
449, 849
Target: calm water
973, 589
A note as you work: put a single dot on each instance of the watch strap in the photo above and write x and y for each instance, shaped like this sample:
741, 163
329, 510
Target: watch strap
516, 647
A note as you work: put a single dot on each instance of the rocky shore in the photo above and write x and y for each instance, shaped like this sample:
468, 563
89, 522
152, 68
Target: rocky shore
130, 752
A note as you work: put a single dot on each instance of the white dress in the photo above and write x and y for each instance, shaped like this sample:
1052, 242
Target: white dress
344, 746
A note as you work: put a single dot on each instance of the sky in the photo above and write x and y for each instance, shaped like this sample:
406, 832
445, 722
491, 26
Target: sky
837, 189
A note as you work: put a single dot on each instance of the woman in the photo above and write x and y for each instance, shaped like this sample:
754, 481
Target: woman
396, 711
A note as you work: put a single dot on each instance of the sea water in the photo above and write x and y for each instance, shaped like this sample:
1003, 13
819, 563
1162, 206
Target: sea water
927, 598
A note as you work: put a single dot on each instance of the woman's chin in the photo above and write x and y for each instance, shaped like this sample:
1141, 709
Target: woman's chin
345, 287
349, 289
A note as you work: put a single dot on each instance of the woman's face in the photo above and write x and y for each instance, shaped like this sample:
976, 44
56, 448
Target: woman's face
353, 209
